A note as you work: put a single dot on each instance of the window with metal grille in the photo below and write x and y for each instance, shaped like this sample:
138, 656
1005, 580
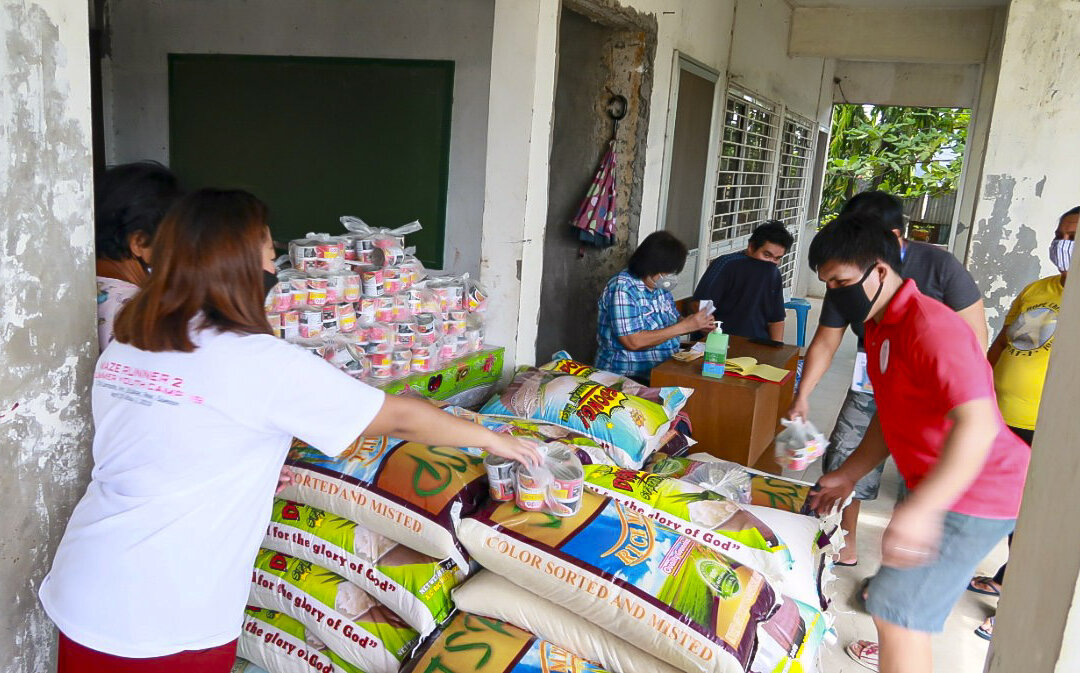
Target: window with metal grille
747, 166
793, 178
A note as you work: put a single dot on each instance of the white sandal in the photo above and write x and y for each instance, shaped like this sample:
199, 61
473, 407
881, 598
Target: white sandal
865, 652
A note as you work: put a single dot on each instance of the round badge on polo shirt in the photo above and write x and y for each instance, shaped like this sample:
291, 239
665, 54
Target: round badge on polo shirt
883, 357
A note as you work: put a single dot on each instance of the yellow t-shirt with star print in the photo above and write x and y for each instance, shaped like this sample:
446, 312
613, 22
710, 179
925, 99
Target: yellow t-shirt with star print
1029, 335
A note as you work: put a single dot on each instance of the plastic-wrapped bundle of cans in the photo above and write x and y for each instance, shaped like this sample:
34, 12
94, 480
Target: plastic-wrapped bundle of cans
554, 486
362, 301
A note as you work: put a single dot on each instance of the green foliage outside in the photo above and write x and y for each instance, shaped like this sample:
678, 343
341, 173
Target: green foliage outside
907, 151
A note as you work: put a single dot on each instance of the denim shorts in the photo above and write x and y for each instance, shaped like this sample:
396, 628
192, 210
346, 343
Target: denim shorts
851, 424
921, 598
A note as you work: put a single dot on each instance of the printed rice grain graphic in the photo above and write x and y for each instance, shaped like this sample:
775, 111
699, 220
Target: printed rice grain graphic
428, 477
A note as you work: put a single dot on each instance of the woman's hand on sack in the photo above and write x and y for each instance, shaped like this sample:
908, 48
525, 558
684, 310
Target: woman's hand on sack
702, 321
284, 479
912, 536
833, 487
508, 446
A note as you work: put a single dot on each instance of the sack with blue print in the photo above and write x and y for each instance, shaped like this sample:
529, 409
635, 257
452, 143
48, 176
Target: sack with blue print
633, 426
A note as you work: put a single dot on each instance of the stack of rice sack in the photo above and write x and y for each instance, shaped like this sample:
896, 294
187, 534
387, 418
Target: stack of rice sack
703, 566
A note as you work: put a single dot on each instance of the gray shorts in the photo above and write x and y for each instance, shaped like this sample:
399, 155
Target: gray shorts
851, 424
921, 598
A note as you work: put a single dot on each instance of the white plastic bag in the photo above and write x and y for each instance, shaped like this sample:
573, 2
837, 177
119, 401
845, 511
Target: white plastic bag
799, 444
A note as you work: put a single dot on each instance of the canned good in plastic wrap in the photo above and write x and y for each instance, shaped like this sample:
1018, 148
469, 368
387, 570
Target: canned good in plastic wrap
330, 320
310, 254
474, 340
275, 324
335, 288
352, 287
530, 493
290, 325
426, 328
381, 355
423, 361
379, 333
384, 308
346, 318
366, 309
392, 283
568, 482
382, 372
500, 472
372, 279
317, 291
390, 254
447, 349
405, 334
311, 324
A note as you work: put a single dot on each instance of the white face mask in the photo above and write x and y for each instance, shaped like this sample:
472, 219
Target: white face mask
666, 282
1061, 252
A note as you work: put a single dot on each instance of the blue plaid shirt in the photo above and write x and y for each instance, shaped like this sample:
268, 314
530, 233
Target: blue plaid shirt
627, 307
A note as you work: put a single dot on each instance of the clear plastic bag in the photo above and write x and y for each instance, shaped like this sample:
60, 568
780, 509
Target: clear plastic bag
799, 444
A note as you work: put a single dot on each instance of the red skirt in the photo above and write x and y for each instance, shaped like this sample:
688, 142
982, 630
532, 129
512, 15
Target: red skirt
75, 658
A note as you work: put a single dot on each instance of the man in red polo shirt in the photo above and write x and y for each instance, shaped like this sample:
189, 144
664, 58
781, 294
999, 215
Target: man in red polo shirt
938, 417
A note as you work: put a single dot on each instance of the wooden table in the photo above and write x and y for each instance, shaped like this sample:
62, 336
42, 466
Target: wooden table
734, 418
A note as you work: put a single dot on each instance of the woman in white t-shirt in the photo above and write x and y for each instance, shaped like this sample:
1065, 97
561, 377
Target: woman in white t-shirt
195, 404
129, 203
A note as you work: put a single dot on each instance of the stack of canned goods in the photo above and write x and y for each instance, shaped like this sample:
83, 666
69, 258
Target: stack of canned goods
361, 300
556, 486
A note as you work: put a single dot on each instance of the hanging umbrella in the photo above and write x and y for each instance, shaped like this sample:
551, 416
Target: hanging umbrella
595, 218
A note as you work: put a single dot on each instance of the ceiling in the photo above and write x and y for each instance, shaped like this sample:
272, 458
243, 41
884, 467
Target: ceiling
899, 4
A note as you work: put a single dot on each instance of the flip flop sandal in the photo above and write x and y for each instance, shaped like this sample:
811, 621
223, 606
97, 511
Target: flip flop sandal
985, 633
865, 653
843, 564
973, 586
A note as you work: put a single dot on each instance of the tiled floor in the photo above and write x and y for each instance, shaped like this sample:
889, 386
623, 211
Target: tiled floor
957, 649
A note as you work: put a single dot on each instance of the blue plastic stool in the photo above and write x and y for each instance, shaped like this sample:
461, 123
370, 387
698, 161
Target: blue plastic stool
802, 309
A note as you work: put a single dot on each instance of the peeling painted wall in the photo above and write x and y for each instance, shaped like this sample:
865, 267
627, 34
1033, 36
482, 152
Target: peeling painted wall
48, 340
594, 61
1030, 174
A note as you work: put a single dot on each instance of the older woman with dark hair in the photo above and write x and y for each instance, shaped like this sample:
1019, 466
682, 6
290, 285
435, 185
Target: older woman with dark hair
195, 404
129, 203
638, 325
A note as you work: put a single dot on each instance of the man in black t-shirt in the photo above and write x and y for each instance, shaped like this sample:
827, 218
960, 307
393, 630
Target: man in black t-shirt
938, 275
746, 287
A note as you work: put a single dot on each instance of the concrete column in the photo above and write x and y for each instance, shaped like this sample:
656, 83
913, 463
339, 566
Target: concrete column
48, 338
524, 53
1031, 175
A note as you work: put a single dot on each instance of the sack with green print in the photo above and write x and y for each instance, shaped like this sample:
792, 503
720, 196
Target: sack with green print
750, 486
415, 586
411, 493
337, 612
702, 515
633, 426
277, 642
481, 645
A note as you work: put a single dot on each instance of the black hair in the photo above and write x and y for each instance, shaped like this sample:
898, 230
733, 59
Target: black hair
886, 208
131, 198
772, 231
660, 252
1071, 211
854, 238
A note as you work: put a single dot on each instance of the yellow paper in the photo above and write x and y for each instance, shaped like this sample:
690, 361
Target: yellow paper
751, 367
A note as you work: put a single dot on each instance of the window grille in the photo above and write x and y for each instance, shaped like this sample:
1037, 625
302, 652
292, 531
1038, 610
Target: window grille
746, 170
793, 178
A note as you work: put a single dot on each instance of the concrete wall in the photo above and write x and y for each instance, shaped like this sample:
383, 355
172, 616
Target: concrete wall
143, 32
1029, 175
48, 340
915, 84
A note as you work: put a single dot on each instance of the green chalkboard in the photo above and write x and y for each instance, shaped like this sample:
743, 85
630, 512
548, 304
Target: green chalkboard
317, 138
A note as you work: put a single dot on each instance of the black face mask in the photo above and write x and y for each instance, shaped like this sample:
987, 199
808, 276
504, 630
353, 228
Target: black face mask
851, 301
270, 281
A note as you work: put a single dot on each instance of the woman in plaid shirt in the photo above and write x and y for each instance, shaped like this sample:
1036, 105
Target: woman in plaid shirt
638, 325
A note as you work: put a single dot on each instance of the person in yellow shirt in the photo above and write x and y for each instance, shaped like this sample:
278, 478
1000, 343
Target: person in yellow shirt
1020, 355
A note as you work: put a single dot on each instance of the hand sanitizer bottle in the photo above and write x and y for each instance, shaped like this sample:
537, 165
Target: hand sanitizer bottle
715, 354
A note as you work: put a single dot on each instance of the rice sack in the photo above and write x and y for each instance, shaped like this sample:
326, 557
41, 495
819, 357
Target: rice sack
279, 643
334, 610
765, 490
562, 364
790, 641
408, 492
480, 645
415, 586
704, 516
489, 595
676, 599
245, 666
634, 427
